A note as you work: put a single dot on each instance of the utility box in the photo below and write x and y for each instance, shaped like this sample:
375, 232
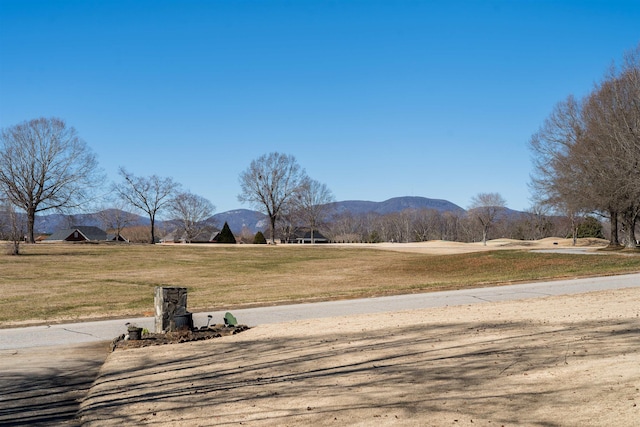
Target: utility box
171, 309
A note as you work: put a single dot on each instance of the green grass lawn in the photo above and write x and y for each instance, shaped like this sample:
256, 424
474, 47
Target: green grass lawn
51, 282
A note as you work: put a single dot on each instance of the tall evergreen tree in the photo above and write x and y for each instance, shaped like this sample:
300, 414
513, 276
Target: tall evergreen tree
226, 236
259, 239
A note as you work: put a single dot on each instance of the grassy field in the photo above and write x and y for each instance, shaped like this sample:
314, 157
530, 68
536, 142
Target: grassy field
54, 282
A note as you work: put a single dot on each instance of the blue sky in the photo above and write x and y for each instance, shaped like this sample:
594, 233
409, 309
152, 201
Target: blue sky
376, 99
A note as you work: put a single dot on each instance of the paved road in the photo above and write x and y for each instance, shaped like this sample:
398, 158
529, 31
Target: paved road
88, 332
43, 386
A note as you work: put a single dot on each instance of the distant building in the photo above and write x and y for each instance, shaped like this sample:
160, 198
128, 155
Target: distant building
206, 236
305, 237
83, 234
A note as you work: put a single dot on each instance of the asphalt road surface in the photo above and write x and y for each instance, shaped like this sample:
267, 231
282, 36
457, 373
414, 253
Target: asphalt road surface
107, 330
43, 386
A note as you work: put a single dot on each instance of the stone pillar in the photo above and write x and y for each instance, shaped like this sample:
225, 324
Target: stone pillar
169, 302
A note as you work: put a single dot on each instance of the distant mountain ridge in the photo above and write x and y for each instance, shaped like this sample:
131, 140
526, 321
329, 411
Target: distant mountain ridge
396, 204
257, 221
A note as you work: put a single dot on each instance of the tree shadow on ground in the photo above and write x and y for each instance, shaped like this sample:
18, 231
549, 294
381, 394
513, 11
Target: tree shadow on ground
506, 373
43, 387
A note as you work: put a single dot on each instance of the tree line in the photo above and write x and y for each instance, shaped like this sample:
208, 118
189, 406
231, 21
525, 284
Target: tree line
46, 166
586, 154
419, 225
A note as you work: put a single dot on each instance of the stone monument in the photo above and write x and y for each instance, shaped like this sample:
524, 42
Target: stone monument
171, 309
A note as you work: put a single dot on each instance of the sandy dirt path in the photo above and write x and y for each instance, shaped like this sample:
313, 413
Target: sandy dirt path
555, 361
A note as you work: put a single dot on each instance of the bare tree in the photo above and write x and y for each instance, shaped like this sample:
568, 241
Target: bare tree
288, 222
269, 183
346, 228
117, 217
11, 226
385, 229
137, 233
191, 212
149, 194
612, 116
369, 227
246, 235
537, 222
587, 153
44, 165
573, 168
400, 225
451, 226
553, 177
313, 203
427, 225
486, 208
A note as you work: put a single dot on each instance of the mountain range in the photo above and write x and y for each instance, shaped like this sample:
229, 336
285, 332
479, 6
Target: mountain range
255, 221
396, 204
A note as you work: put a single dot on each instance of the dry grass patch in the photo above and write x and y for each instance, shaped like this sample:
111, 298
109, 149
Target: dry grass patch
51, 282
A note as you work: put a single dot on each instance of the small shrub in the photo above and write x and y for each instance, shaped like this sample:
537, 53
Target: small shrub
226, 236
590, 227
259, 239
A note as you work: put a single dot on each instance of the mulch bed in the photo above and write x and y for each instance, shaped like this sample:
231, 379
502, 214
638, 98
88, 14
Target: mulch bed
205, 333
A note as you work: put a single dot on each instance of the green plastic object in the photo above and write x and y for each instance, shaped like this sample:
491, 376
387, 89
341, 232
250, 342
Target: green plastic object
230, 320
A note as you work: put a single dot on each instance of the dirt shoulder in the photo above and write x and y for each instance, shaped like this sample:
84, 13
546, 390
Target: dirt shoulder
569, 360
